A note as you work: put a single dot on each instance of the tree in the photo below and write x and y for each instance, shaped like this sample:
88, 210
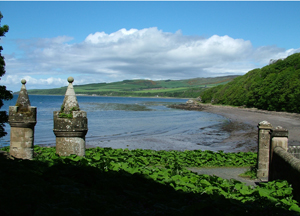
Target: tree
4, 94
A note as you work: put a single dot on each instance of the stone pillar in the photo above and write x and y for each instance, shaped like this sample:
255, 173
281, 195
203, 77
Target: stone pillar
279, 137
22, 119
70, 125
264, 137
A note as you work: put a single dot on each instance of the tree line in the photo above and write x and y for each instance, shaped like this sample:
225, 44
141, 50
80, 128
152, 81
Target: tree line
274, 87
4, 94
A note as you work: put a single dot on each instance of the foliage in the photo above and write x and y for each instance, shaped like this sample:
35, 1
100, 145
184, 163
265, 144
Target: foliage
273, 87
195, 158
251, 173
137, 182
75, 108
190, 88
62, 114
4, 94
65, 115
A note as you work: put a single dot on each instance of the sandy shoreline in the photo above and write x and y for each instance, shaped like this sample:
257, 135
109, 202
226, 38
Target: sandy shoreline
243, 124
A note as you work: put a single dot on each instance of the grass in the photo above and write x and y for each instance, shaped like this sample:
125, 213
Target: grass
145, 88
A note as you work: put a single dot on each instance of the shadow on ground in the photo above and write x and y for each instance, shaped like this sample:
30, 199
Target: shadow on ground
35, 188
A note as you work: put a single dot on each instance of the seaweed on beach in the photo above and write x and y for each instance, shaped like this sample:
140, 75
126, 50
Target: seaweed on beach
115, 106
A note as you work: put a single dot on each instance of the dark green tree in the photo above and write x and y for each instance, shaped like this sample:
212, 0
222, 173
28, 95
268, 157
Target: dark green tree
4, 94
274, 87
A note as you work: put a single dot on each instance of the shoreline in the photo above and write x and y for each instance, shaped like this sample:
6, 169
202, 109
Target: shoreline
243, 123
240, 125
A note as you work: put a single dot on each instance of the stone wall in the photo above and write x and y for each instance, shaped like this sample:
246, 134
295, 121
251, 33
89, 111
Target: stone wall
286, 167
274, 160
295, 151
263, 153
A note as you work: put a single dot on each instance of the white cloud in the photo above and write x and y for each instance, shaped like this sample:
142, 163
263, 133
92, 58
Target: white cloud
127, 54
33, 82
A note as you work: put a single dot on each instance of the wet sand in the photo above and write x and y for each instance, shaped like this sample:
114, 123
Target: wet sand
243, 124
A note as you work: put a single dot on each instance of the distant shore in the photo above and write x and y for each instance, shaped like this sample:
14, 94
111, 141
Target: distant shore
83, 95
244, 121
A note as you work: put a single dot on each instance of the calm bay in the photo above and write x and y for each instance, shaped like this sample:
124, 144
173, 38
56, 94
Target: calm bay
133, 123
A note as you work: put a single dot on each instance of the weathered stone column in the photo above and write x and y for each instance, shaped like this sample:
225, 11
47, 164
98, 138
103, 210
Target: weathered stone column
22, 119
263, 153
279, 137
70, 125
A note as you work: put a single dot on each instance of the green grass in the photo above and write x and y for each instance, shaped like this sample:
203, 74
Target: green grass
163, 90
146, 88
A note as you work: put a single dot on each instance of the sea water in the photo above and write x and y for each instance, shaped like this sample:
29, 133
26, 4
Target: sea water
129, 122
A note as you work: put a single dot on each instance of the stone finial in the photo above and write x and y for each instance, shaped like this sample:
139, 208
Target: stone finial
264, 124
70, 79
70, 102
70, 129
23, 100
22, 119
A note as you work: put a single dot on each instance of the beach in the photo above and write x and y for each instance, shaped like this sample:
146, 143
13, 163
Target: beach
243, 123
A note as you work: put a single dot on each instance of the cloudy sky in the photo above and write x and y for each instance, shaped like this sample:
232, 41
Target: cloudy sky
111, 41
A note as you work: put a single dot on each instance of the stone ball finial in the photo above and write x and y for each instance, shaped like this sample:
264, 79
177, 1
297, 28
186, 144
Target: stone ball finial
23, 81
70, 79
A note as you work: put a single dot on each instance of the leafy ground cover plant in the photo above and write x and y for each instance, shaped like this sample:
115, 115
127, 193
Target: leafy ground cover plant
251, 173
135, 182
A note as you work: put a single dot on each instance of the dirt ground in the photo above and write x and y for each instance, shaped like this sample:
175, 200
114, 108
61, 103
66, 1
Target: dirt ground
243, 123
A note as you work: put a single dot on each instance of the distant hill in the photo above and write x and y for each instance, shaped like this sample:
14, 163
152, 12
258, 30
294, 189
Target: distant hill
189, 88
274, 87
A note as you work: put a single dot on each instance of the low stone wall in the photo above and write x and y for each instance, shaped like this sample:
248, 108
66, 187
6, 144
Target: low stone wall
286, 167
274, 158
295, 151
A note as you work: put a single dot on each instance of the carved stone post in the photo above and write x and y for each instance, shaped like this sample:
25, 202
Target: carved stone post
264, 129
22, 119
70, 125
279, 137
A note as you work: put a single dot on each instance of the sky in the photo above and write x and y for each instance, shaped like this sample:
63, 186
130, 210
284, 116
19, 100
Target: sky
109, 41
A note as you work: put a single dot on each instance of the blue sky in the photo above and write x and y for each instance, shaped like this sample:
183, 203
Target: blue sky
112, 41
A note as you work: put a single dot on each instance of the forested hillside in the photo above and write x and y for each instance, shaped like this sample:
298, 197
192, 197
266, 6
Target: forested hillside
274, 87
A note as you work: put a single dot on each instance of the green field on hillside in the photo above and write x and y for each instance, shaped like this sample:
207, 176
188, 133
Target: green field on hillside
189, 88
